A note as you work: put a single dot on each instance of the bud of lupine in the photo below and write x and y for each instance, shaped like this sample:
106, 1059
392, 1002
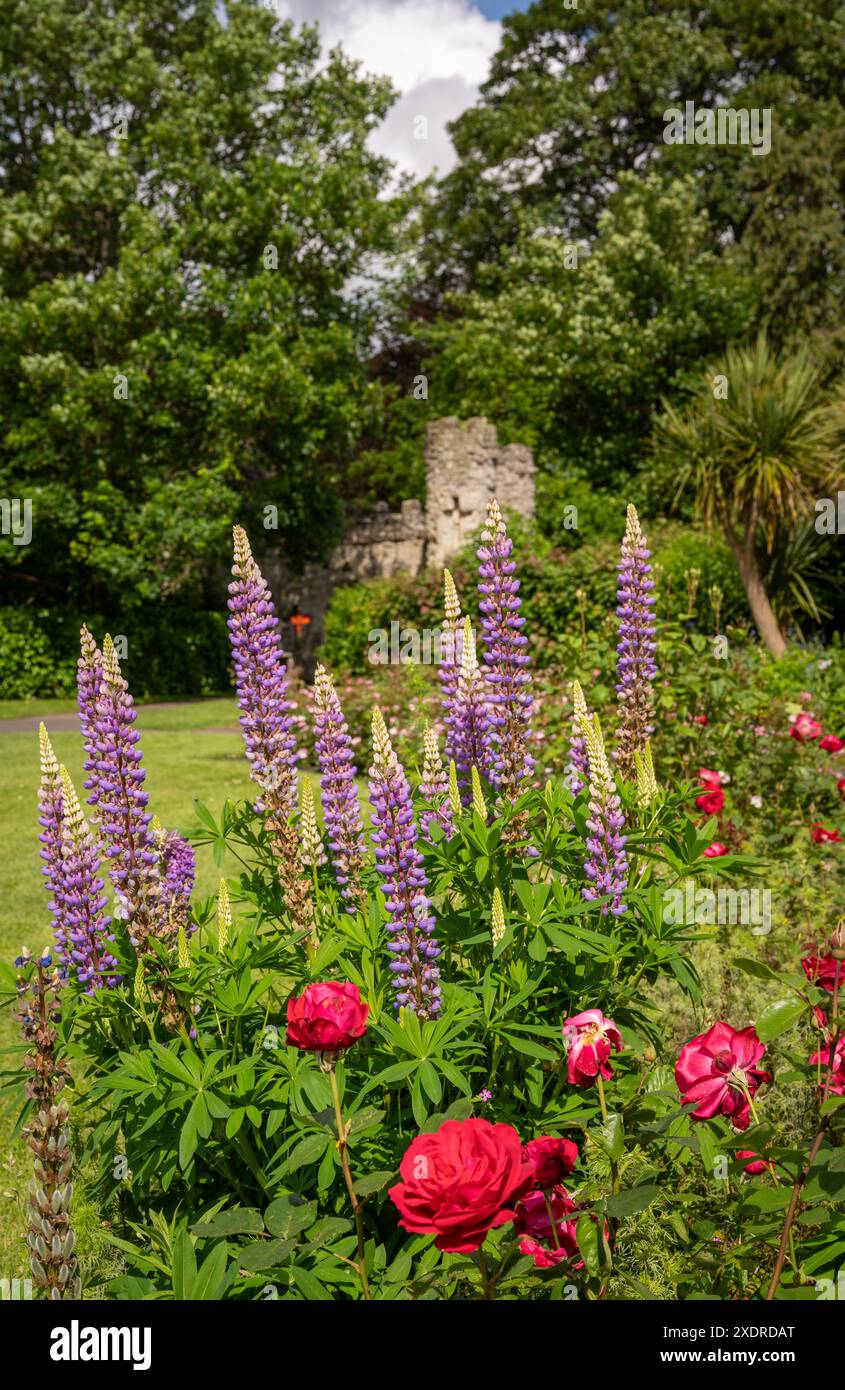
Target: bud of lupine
497, 917
455, 803
262, 692
50, 1236
313, 854
470, 724
117, 790
86, 925
89, 678
647, 789
434, 787
450, 662
341, 805
636, 665
607, 866
224, 916
411, 926
50, 815
183, 954
139, 988
479, 805
578, 768
507, 679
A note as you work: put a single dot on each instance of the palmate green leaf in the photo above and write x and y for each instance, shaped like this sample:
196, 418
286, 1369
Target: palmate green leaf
431, 1082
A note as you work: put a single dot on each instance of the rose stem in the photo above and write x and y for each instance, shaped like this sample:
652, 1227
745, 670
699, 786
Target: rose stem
347, 1177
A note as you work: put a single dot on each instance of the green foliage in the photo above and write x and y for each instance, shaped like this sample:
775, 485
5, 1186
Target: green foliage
29, 662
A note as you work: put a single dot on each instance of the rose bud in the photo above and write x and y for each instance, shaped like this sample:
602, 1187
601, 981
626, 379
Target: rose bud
552, 1159
327, 1018
460, 1182
718, 1071
716, 851
588, 1038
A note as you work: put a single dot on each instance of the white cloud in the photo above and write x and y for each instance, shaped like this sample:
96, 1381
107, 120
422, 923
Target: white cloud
436, 52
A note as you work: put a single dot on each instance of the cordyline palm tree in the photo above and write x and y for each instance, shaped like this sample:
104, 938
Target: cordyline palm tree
757, 459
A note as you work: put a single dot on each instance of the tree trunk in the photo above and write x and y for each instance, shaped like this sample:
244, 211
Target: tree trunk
758, 600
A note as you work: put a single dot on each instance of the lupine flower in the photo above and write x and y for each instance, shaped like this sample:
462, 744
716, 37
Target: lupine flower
341, 806
177, 871
125, 834
497, 922
636, 647
479, 805
89, 678
262, 691
224, 916
578, 768
434, 787
607, 865
313, 854
470, 739
261, 681
50, 1235
505, 658
85, 924
411, 926
718, 1070
50, 815
647, 789
455, 803
450, 663
588, 1038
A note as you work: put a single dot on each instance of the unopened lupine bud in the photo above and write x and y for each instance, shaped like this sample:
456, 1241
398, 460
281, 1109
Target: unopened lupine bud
497, 917
455, 804
434, 787
479, 805
183, 954
224, 916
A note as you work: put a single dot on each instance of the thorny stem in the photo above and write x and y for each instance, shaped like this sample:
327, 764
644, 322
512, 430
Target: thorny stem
343, 1151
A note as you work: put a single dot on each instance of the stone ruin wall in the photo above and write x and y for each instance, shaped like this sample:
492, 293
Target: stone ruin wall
465, 468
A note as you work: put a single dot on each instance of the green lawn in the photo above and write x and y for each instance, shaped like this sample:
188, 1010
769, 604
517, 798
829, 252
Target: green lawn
183, 763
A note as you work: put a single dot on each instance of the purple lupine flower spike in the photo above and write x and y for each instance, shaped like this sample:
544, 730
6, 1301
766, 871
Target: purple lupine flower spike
505, 658
50, 817
450, 664
341, 805
471, 736
578, 767
434, 788
261, 679
416, 977
607, 863
126, 838
636, 665
87, 935
89, 678
177, 869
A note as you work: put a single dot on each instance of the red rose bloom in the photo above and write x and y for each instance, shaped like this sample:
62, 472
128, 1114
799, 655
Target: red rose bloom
715, 851
589, 1037
805, 728
700, 719
712, 802
840, 787
552, 1159
547, 1242
460, 1182
820, 836
718, 1071
822, 970
759, 1165
831, 744
837, 1080
327, 1017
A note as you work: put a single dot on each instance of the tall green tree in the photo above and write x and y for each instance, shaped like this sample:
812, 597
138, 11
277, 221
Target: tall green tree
191, 220
578, 96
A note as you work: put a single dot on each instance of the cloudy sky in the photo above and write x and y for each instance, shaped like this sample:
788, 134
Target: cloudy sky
437, 53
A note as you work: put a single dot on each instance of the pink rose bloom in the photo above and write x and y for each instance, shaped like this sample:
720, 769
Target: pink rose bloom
837, 1080
831, 744
547, 1243
820, 836
718, 1071
552, 1159
822, 970
710, 780
588, 1038
716, 851
805, 728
